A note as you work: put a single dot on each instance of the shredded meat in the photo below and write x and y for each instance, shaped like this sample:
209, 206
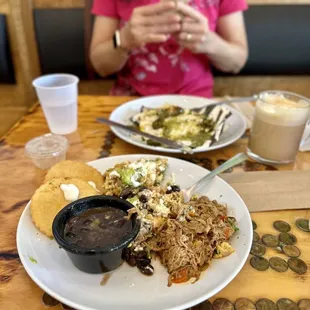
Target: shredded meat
186, 247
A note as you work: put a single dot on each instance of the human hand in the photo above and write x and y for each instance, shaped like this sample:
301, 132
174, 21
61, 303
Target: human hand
150, 24
194, 29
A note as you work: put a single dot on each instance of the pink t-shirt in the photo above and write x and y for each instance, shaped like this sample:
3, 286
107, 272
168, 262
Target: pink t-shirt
166, 68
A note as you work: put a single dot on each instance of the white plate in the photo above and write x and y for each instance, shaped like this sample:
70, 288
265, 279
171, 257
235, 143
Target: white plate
236, 124
128, 288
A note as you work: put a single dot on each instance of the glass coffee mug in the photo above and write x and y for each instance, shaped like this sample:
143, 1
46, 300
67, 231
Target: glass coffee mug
279, 122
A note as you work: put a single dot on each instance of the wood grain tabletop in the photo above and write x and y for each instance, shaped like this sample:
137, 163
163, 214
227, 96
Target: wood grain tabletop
19, 180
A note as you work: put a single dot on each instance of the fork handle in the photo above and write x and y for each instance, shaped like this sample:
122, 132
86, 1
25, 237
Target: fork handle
237, 159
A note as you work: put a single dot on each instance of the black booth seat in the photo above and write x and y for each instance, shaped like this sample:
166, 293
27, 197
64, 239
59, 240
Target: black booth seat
279, 41
6, 67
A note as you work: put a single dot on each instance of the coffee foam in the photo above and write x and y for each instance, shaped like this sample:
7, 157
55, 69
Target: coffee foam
278, 110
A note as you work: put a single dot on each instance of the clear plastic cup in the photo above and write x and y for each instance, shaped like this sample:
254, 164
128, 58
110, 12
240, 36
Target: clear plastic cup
58, 94
47, 150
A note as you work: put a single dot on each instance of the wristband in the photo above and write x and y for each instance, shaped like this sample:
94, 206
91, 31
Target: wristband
117, 39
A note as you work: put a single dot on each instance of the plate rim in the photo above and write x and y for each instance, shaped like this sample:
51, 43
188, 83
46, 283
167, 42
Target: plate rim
184, 306
117, 132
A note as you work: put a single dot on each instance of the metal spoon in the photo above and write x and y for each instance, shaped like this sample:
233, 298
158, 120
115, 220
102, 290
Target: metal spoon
237, 159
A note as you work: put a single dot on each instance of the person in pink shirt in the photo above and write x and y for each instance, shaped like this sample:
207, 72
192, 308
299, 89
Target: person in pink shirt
167, 47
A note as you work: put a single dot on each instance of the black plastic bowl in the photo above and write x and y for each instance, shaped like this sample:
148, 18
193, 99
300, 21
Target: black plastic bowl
96, 260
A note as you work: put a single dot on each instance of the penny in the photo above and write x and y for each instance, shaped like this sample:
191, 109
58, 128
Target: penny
255, 236
258, 249
287, 238
254, 225
49, 301
286, 304
297, 265
265, 304
270, 241
222, 304
244, 304
203, 306
304, 304
303, 224
259, 263
282, 226
278, 264
291, 251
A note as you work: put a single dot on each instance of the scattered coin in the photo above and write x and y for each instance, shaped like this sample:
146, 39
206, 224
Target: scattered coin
244, 304
304, 304
286, 304
203, 306
49, 301
255, 236
265, 304
297, 265
282, 226
291, 251
303, 224
254, 225
278, 264
222, 304
287, 238
270, 240
258, 249
259, 263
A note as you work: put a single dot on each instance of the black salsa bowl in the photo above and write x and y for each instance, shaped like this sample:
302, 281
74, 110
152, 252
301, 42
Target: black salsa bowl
99, 259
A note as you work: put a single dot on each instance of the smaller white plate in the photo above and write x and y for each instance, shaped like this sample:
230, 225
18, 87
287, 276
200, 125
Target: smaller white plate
235, 124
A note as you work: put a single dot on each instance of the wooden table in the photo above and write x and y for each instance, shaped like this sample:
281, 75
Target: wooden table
19, 179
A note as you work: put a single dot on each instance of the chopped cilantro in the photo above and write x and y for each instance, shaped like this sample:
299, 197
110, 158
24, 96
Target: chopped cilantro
33, 260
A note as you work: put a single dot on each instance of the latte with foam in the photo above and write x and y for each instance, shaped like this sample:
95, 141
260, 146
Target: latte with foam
278, 126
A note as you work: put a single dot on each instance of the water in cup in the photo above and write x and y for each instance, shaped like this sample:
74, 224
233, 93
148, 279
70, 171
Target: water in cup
57, 94
61, 119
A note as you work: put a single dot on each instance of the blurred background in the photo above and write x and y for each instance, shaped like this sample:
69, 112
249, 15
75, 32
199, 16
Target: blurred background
47, 36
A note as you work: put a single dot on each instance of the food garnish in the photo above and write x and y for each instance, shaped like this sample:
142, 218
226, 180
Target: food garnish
192, 127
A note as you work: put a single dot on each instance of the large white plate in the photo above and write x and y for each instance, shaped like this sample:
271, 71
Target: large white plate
236, 124
128, 288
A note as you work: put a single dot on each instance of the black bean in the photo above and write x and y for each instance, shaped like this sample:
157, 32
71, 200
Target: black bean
142, 254
126, 254
148, 270
143, 199
175, 188
132, 261
126, 193
143, 262
129, 257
